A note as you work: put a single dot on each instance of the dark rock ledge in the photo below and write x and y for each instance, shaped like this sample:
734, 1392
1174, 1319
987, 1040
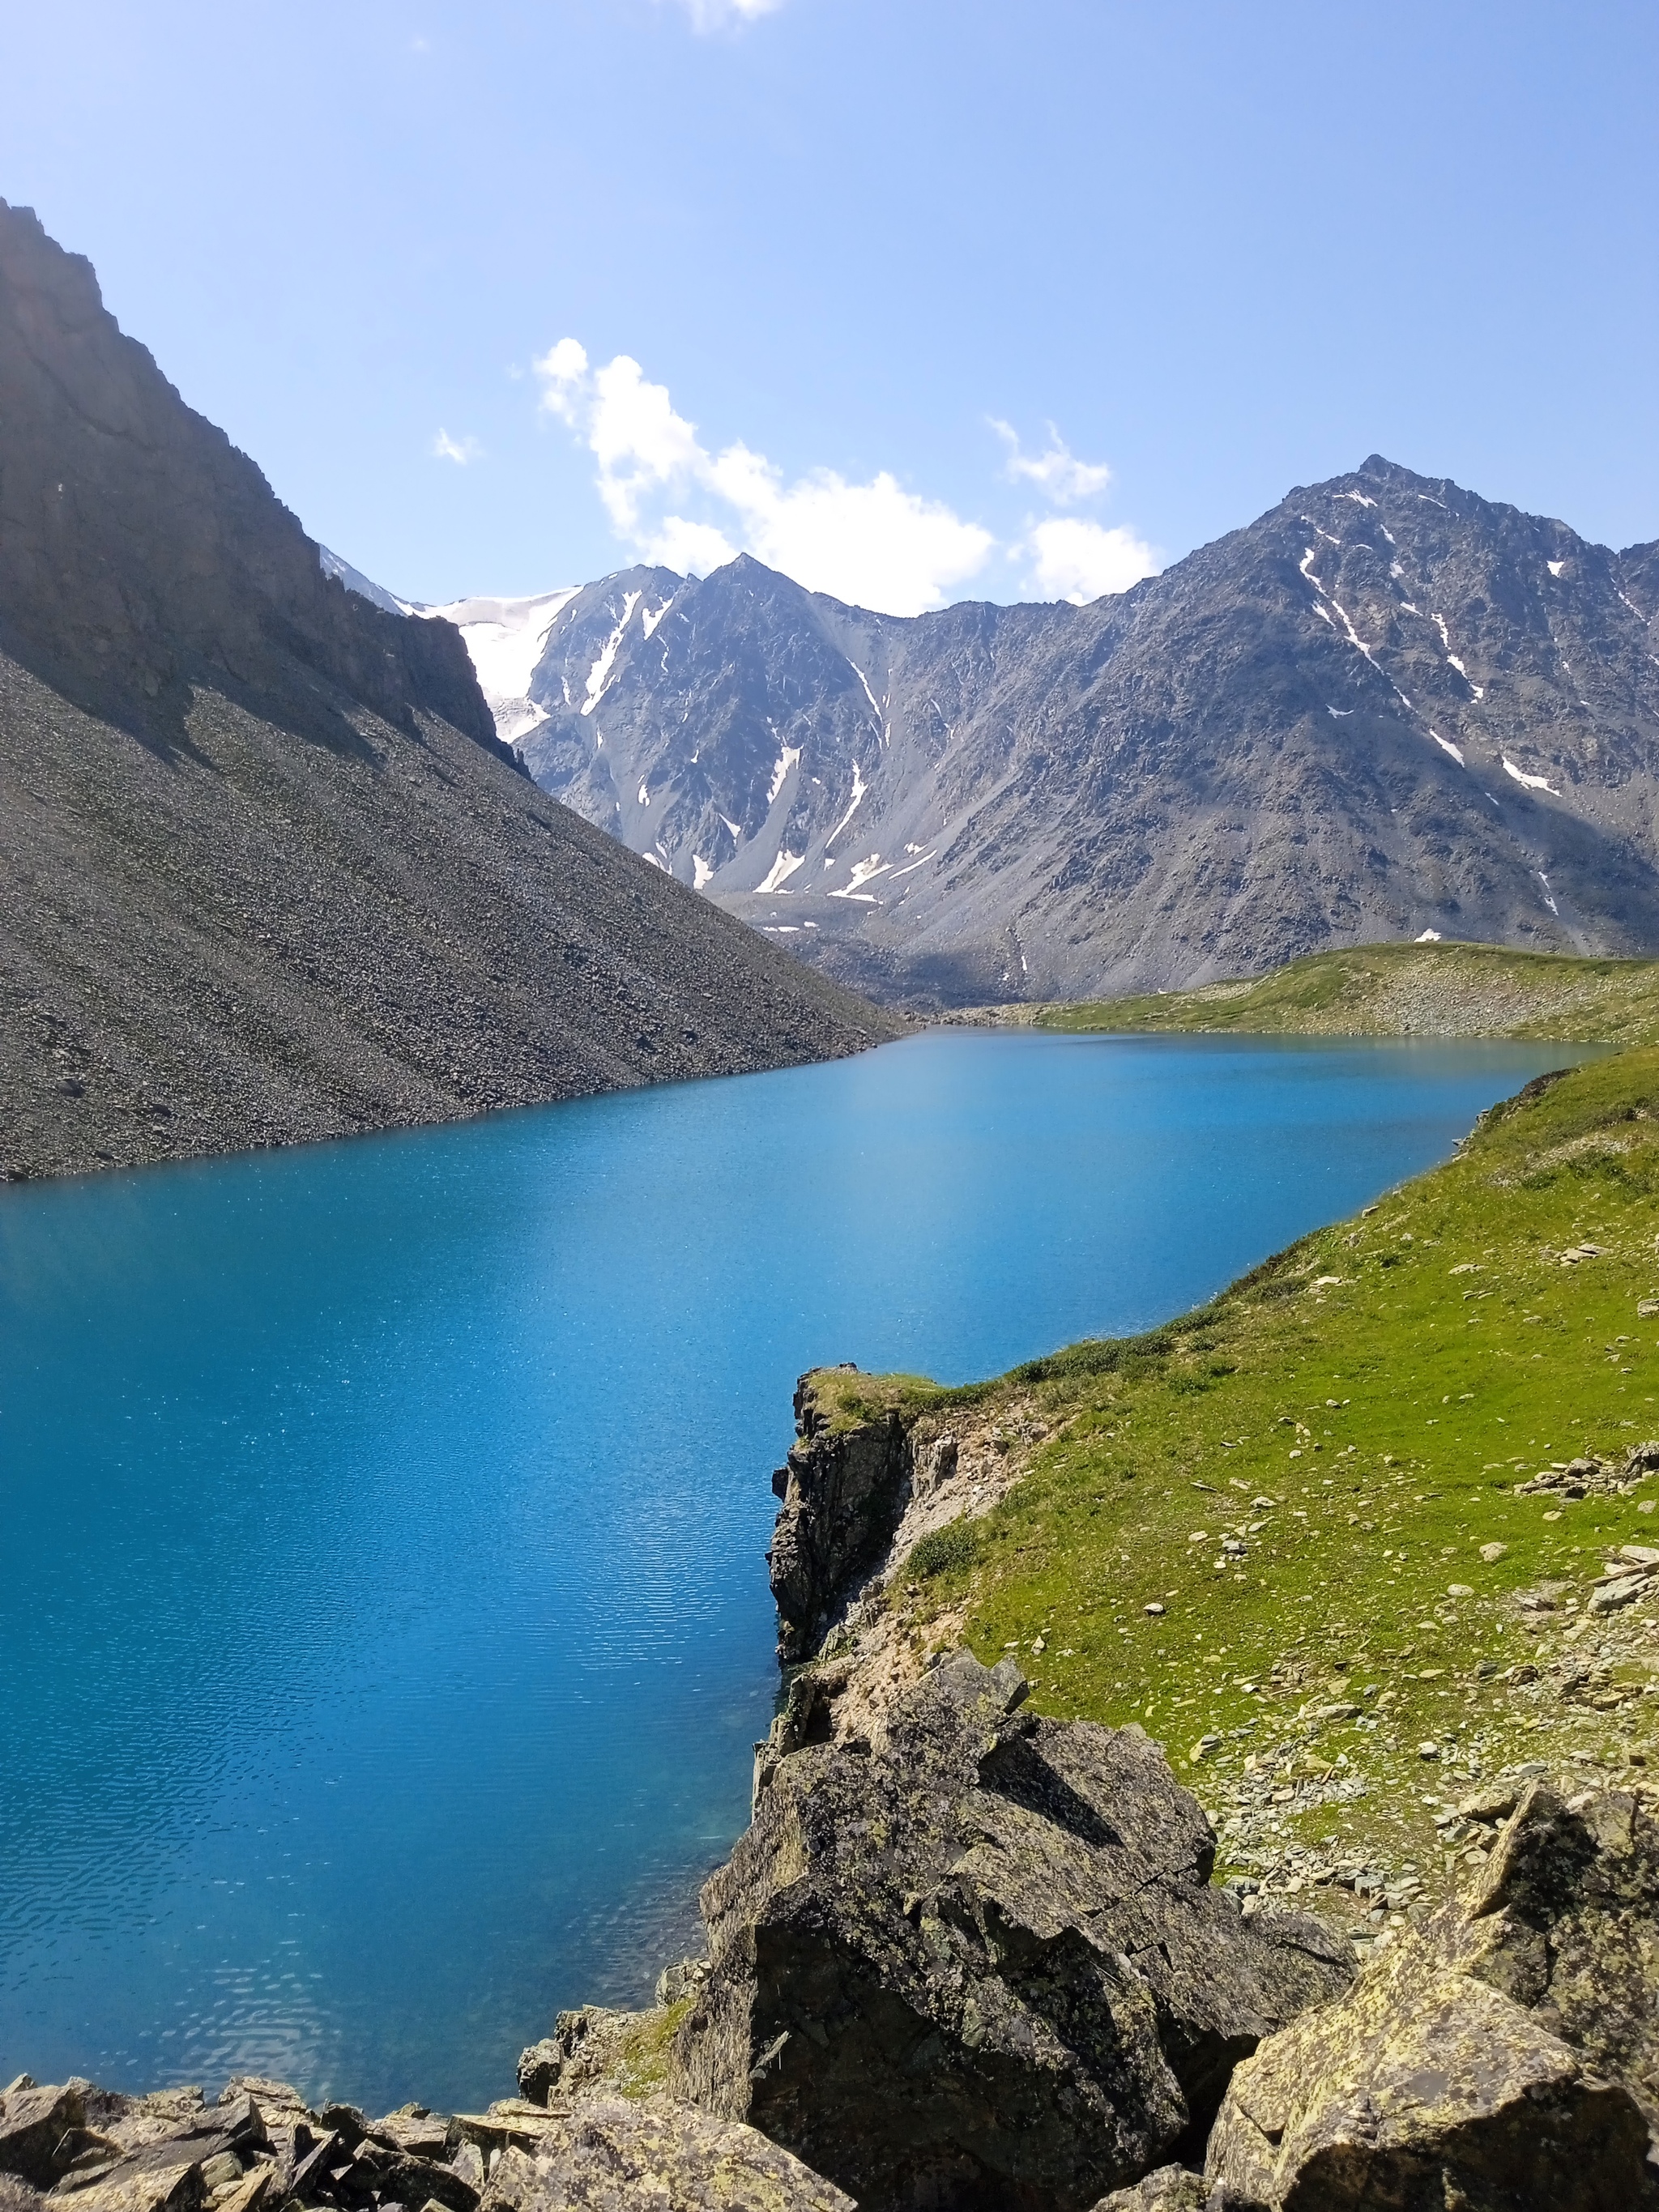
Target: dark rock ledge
967, 1960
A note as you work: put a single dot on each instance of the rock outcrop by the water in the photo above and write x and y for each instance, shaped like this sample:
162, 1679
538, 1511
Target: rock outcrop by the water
977, 1966
1504, 2054
844, 1491
980, 1964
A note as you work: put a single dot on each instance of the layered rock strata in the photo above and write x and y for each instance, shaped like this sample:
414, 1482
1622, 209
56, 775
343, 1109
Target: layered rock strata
980, 1963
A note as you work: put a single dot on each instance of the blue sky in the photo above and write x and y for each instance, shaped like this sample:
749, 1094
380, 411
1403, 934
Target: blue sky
502, 296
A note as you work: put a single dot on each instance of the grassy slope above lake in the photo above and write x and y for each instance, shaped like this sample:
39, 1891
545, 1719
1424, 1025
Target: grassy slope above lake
1399, 990
1303, 1475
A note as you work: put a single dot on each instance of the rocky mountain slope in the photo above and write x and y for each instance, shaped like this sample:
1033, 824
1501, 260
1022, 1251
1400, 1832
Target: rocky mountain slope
267, 871
1388, 706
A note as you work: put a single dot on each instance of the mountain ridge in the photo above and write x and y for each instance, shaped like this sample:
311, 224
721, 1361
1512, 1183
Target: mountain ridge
1386, 706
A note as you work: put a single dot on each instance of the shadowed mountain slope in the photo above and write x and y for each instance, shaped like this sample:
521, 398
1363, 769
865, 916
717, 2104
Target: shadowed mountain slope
266, 872
1388, 706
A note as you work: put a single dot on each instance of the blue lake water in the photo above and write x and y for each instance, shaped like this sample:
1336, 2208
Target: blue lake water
385, 1625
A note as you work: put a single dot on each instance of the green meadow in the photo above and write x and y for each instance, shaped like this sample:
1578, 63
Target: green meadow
1284, 1528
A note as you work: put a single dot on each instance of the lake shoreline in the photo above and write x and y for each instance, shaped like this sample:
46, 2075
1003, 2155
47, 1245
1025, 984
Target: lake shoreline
264, 1360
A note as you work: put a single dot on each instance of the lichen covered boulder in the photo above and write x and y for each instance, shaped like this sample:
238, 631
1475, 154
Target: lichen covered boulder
1503, 2055
607, 2154
981, 1962
1170, 2189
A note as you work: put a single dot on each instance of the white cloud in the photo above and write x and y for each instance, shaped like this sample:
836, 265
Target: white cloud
717, 14
459, 450
1079, 561
1056, 472
874, 543
693, 548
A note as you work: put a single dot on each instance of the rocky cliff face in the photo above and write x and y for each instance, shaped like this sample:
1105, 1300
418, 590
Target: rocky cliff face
1387, 706
844, 1491
265, 871
140, 550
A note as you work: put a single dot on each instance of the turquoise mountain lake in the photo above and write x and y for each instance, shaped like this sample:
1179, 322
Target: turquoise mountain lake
386, 1626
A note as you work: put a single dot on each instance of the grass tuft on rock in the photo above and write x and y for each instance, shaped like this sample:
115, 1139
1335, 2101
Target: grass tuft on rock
955, 1546
847, 1399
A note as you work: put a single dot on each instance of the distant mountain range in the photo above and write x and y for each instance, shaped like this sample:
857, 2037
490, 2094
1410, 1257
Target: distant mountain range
1388, 707
266, 870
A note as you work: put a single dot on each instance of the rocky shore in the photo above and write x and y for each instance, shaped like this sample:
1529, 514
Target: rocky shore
968, 1958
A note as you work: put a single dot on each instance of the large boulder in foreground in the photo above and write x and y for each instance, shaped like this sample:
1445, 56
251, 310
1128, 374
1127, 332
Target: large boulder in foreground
608, 2155
34, 2122
982, 1965
1505, 2055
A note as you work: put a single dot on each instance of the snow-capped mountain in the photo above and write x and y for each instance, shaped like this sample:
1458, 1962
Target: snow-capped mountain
1388, 706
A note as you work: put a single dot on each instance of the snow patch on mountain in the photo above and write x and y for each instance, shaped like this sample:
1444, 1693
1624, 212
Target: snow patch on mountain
780, 871
598, 676
786, 760
505, 638
860, 787
354, 581
1532, 782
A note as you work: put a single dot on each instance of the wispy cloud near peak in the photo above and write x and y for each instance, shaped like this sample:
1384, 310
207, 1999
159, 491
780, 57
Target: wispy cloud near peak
1078, 560
459, 450
875, 544
1056, 472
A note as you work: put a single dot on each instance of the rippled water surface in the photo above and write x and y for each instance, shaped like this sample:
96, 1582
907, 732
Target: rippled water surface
384, 1625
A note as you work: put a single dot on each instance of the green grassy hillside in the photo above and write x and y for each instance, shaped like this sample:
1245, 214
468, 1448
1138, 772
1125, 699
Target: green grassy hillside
1282, 1532
1401, 990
